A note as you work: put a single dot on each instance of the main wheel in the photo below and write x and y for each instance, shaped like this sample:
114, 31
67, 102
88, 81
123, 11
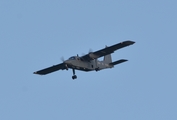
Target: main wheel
97, 69
74, 77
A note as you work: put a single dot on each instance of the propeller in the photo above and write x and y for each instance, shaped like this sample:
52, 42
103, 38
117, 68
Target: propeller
83, 54
90, 50
62, 59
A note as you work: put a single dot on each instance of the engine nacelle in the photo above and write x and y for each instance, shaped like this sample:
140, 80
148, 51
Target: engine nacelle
93, 56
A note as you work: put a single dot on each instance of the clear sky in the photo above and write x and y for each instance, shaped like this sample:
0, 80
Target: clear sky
35, 34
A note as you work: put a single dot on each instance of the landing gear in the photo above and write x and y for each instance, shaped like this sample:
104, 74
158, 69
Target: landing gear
74, 76
97, 69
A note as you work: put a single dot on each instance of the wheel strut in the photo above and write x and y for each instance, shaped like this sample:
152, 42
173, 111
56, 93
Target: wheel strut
74, 76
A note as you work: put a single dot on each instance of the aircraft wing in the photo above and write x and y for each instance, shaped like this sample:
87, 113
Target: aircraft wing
51, 69
106, 51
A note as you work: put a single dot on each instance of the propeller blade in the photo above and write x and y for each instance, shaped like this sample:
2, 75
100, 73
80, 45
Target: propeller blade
83, 54
62, 59
90, 50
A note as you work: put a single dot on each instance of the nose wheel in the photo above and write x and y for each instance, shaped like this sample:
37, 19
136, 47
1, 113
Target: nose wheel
74, 76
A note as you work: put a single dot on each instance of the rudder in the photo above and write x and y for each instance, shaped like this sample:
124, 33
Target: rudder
108, 58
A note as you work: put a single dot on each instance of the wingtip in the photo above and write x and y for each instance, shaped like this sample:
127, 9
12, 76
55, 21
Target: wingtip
133, 42
123, 60
37, 73
130, 42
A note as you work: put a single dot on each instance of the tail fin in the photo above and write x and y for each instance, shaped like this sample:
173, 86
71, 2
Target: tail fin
108, 59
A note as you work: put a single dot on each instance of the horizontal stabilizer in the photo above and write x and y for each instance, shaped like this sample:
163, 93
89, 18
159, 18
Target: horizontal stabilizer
118, 62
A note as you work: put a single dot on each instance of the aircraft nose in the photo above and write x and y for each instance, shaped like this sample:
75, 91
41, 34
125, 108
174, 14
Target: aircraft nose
67, 61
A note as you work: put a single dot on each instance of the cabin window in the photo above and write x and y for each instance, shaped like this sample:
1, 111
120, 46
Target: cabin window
72, 58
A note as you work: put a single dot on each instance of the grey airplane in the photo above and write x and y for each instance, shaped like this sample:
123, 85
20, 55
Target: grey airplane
89, 62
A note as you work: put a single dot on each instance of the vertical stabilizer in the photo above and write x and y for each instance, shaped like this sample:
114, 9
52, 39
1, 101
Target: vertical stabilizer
107, 58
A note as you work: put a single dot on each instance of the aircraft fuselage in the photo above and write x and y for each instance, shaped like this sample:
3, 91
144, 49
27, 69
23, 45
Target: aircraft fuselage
87, 66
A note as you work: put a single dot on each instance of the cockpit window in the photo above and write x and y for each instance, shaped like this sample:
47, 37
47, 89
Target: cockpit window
72, 58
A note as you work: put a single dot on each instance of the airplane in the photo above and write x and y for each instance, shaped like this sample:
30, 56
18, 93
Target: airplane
89, 62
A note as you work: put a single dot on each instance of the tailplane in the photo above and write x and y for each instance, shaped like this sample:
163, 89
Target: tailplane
118, 62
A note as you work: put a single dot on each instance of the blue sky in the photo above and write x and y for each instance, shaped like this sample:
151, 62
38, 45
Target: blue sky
36, 34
